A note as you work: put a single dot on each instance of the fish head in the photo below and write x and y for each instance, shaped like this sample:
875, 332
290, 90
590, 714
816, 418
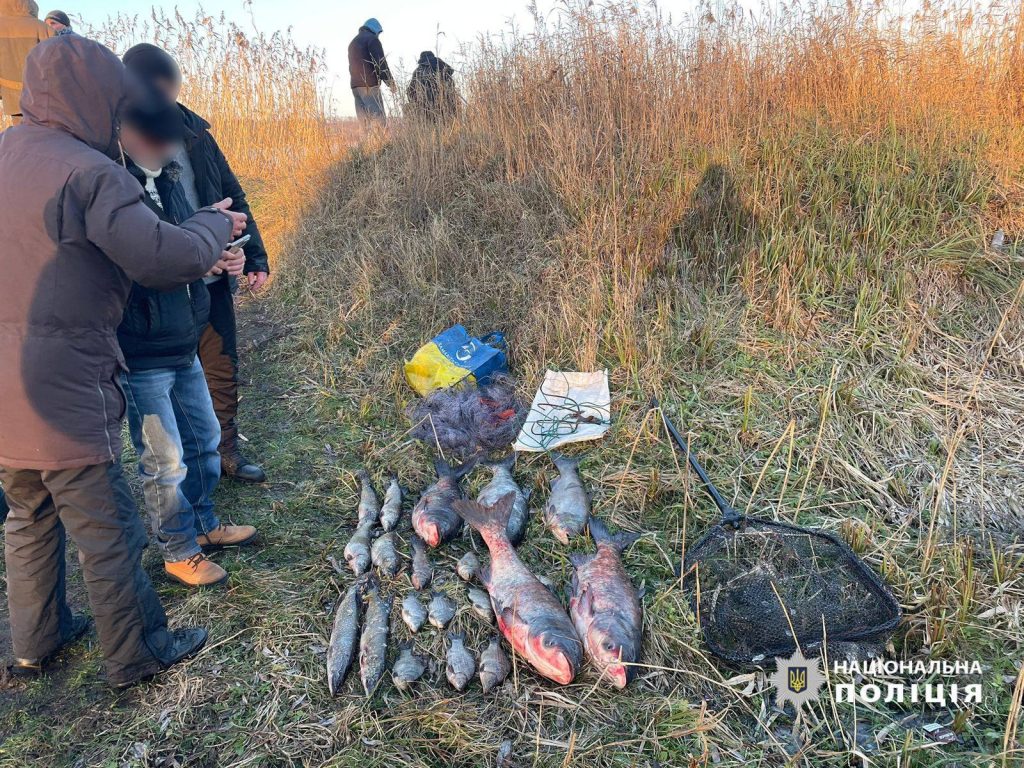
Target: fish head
613, 646
555, 654
359, 562
488, 680
457, 678
559, 532
427, 527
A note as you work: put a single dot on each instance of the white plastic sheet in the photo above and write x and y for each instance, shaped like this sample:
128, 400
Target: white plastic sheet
569, 407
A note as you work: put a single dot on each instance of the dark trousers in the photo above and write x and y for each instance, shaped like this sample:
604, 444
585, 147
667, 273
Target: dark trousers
94, 505
218, 352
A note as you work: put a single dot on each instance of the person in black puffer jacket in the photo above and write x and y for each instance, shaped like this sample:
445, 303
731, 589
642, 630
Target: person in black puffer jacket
206, 177
170, 414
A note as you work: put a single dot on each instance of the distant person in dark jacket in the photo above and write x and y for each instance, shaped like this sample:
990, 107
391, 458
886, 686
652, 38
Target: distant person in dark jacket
170, 414
20, 30
59, 23
205, 177
76, 234
368, 68
432, 94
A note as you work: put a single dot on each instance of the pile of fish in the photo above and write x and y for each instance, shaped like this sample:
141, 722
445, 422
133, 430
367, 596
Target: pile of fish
603, 622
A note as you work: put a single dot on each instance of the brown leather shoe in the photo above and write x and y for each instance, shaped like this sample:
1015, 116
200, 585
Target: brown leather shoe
197, 571
227, 536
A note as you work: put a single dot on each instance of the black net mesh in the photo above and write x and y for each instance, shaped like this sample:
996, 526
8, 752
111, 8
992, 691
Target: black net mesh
741, 574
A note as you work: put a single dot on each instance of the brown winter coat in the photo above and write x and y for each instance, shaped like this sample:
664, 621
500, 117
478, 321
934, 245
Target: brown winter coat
74, 234
20, 30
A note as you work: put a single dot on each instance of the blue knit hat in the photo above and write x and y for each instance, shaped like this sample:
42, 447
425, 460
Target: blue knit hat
374, 26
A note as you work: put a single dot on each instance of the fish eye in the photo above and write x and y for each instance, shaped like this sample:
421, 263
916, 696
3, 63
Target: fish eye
608, 645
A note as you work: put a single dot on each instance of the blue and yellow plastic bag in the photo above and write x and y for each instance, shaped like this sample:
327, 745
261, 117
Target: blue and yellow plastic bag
453, 356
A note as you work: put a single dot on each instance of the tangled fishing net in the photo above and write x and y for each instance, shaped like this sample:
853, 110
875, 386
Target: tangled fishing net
468, 420
756, 582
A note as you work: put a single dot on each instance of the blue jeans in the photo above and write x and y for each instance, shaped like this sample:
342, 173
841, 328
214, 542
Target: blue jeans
175, 432
369, 103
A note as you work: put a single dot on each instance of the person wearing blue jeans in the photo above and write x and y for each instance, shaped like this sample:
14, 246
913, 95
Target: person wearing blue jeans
170, 414
176, 433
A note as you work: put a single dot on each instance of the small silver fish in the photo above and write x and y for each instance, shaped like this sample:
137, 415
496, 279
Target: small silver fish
341, 650
391, 510
481, 603
369, 504
568, 506
468, 566
422, 570
494, 665
413, 613
357, 551
373, 643
408, 669
461, 664
384, 554
441, 610
503, 483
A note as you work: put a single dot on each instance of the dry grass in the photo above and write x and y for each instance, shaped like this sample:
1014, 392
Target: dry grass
781, 228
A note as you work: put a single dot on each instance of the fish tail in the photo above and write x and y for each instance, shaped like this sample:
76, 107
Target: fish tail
599, 533
490, 521
508, 462
444, 469
565, 463
363, 474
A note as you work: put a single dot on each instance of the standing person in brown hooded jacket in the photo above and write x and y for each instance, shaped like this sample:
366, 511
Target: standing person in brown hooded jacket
76, 233
20, 30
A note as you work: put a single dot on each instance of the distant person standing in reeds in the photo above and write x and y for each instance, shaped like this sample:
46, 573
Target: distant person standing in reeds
432, 93
368, 68
20, 30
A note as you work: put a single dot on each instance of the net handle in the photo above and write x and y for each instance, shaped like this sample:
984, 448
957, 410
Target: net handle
729, 515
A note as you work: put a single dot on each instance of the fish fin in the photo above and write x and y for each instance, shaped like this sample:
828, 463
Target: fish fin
527, 494
599, 533
641, 592
492, 519
442, 467
579, 559
565, 462
584, 601
484, 574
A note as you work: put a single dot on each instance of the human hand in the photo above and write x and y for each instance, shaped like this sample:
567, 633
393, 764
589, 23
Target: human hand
238, 220
232, 262
257, 280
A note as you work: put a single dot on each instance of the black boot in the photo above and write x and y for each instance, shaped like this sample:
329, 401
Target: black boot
185, 643
29, 668
234, 464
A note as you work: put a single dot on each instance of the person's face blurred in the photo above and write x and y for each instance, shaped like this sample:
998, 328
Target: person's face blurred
145, 152
169, 88
55, 25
